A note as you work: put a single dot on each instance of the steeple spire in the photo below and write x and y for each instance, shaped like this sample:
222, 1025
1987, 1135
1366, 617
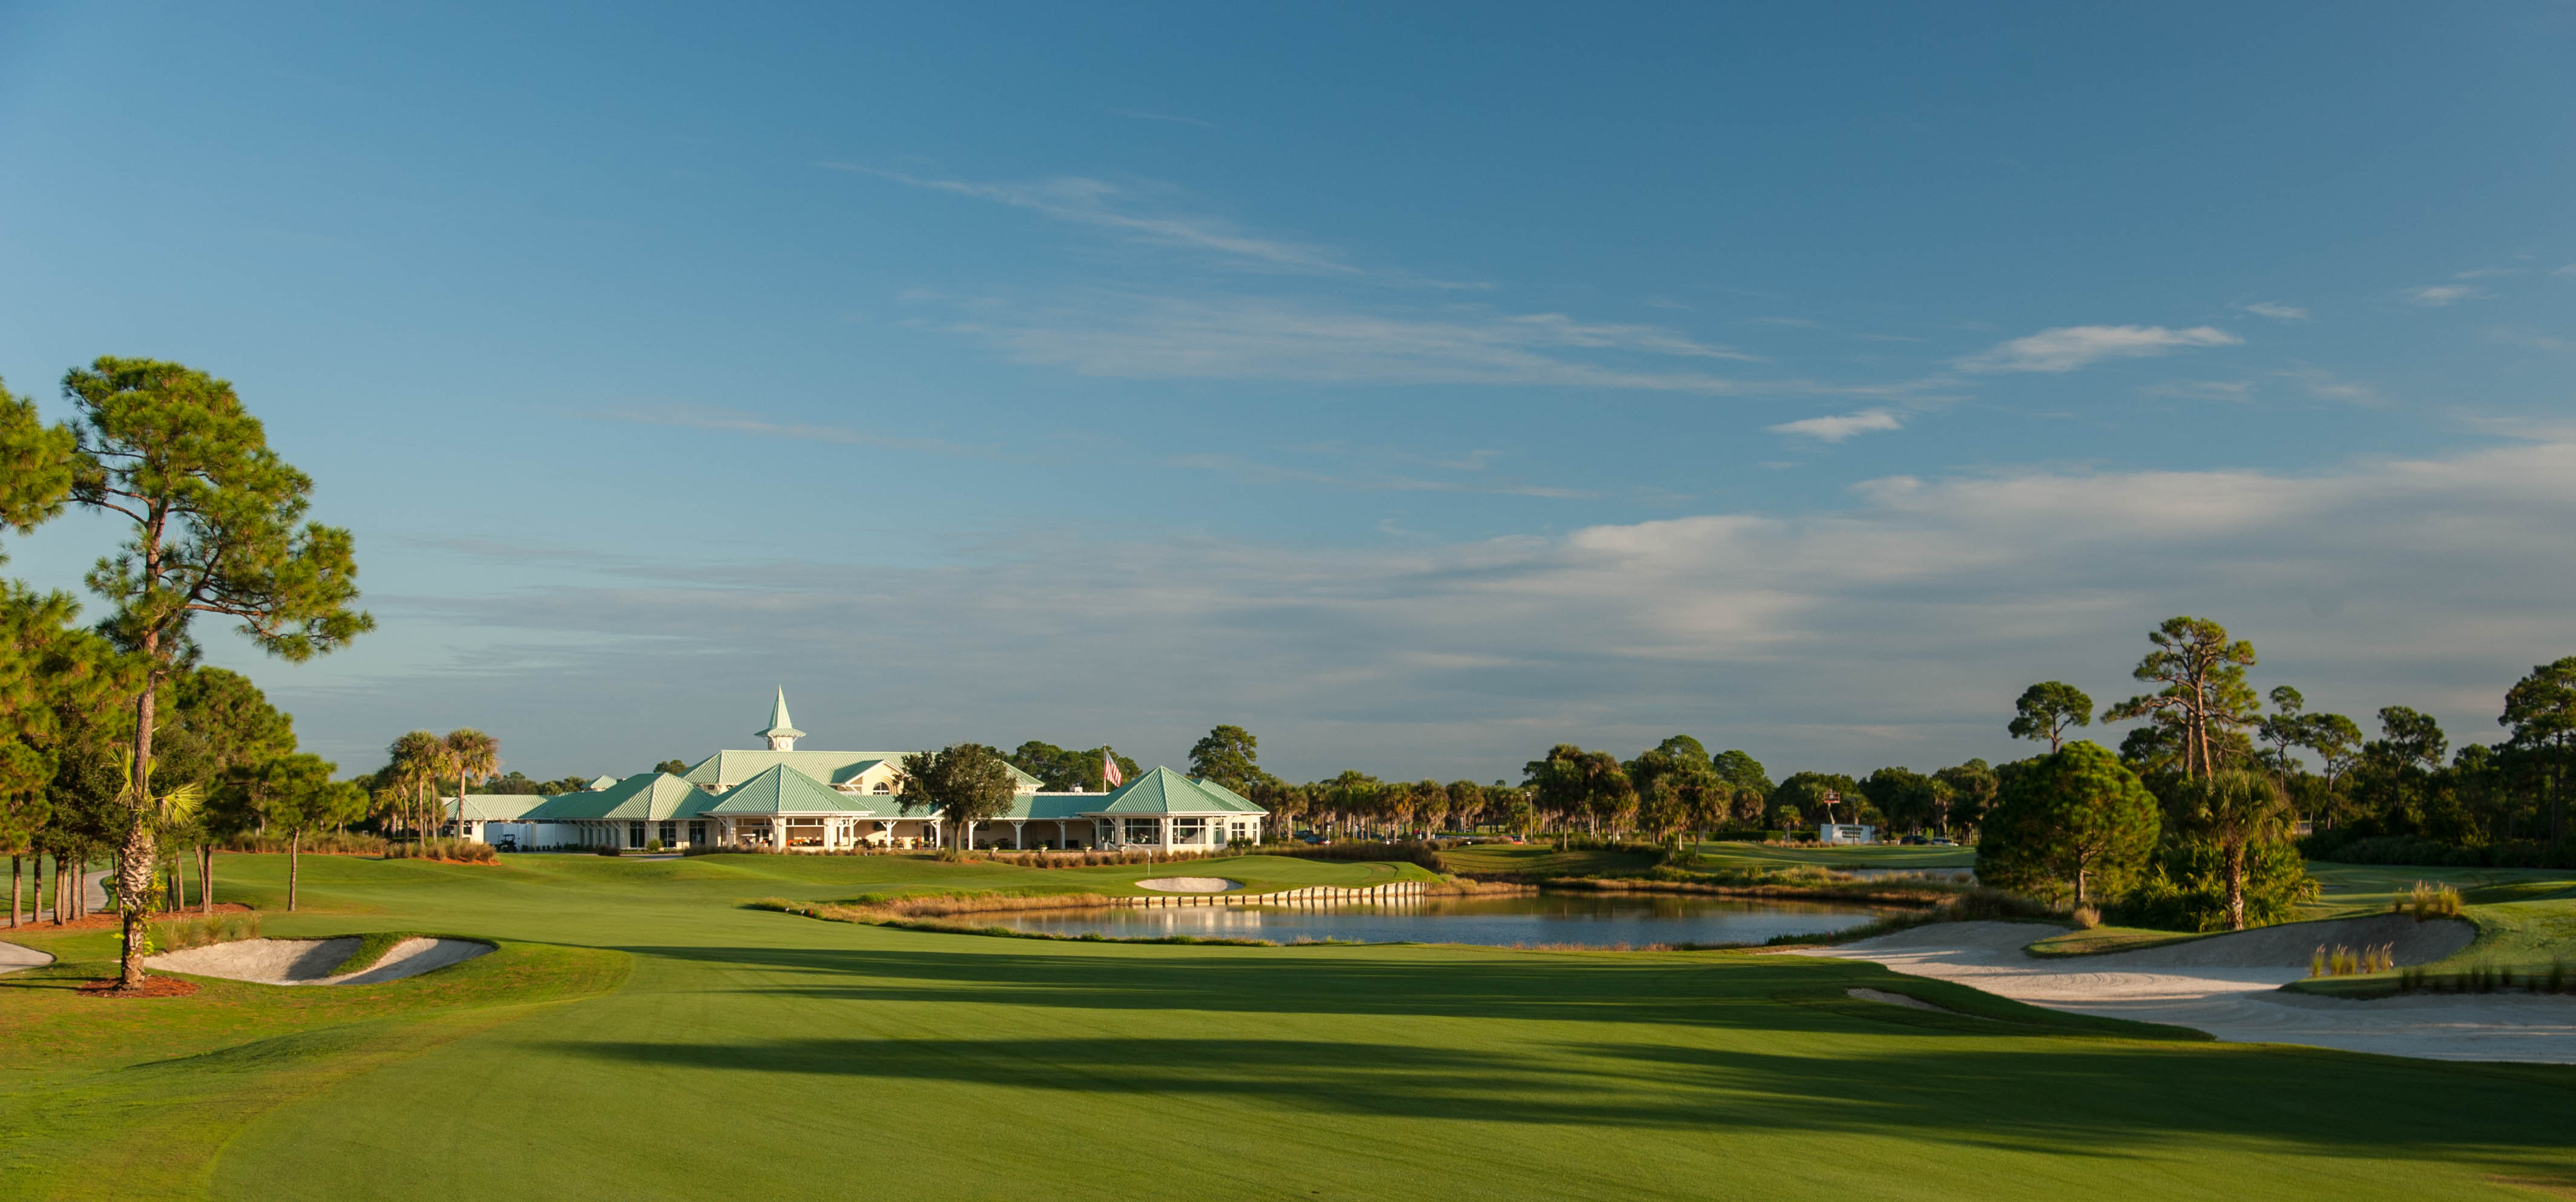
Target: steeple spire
782, 735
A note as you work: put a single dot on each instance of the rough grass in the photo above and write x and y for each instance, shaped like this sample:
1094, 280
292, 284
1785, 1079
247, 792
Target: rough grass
1118, 1071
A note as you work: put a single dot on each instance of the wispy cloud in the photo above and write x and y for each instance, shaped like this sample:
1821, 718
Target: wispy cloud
1919, 608
735, 421
2278, 312
2442, 295
1836, 429
2325, 385
2203, 390
1173, 118
1110, 206
2481, 273
1236, 466
2070, 347
2517, 336
1143, 336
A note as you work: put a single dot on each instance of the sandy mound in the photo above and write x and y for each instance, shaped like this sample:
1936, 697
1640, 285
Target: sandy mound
14, 957
2229, 986
1189, 884
310, 961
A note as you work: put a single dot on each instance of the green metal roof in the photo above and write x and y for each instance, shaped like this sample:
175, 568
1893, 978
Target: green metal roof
1163, 791
496, 807
778, 723
1043, 807
784, 790
649, 796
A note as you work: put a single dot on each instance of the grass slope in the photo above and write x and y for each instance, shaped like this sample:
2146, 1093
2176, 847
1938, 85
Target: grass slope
639, 1034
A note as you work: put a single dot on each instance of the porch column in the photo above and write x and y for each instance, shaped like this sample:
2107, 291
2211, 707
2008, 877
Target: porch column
1164, 825
778, 832
1019, 835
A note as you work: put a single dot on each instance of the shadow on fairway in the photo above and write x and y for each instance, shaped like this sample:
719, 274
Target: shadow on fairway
2116, 1102
1598, 988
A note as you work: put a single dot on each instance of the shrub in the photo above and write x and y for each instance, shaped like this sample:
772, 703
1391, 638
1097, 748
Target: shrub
2087, 918
652, 845
324, 843
2186, 890
461, 850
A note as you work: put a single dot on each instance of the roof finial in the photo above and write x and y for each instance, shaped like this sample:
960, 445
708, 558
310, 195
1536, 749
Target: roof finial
781, 734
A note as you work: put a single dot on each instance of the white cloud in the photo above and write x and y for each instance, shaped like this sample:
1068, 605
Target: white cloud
1917, 611
2277, 311
2070, 347
1836, 429
2441, 295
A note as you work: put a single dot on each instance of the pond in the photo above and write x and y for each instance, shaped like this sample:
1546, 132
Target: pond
1579, 919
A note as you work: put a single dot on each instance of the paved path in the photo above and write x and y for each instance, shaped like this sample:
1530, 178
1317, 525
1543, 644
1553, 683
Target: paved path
2229, 986
14, 957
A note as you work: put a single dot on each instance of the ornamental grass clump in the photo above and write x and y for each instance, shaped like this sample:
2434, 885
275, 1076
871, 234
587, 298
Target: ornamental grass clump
2430, 900
2342, 961
201, 932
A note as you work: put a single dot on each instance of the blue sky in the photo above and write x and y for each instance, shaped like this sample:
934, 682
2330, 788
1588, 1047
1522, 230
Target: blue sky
1417, 390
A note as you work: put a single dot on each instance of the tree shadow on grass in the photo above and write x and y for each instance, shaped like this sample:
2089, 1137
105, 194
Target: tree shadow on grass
1722, 992
2117, 1101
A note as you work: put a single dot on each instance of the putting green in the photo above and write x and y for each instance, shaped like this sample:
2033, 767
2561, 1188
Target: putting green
639, 1034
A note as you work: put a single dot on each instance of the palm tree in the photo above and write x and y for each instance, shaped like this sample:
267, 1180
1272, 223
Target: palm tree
2238, 808
417, 757
471, 755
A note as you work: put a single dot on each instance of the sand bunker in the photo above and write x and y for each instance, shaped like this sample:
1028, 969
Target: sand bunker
14, 957
1897, 999
1189, 884
2229, 986
310, 961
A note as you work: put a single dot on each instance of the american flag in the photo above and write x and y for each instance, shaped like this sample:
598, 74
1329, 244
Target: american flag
1109, 770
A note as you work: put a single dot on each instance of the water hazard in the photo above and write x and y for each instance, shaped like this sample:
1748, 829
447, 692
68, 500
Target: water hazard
1585, 920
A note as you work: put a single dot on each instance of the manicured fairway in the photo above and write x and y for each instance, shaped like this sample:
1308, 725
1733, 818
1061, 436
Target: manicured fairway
640, 1035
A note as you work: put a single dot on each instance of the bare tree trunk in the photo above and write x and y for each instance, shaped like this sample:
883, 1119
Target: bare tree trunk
134, 865
2236, 886
206, 877
13, 893
293, 838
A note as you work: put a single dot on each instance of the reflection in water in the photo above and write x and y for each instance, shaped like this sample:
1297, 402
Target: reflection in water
1589, 920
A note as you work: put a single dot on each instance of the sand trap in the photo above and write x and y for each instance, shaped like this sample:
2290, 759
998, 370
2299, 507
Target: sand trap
1189, 884
1897, 999
309, 961
2229, 986
14, 957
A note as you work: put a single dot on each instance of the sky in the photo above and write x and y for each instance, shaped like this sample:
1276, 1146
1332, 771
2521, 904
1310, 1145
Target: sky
1417, 388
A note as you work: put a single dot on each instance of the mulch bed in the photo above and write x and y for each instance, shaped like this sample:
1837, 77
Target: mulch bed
152, 987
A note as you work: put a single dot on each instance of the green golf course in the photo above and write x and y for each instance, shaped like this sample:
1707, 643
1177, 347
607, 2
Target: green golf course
642, 1032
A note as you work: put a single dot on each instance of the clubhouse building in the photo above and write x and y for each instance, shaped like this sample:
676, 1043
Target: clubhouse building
779, 798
